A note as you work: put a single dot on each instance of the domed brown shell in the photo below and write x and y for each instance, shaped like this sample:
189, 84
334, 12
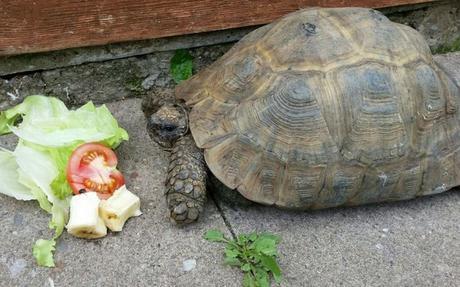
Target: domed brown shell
328, 107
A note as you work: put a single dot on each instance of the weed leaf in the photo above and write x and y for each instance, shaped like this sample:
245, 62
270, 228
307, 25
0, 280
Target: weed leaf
270, 263
232, 261
262, 278
214, 236
230, 251
255, 254
181, 66
265, 245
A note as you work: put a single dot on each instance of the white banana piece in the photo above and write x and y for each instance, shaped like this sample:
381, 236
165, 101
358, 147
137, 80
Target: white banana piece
84, 219
122, 205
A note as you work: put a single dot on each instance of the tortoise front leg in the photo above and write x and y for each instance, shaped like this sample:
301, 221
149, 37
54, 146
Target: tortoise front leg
186, 182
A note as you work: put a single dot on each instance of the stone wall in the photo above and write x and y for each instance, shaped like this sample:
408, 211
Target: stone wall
439, 24
118, 71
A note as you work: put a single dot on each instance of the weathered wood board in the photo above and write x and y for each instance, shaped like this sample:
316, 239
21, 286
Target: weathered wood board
43, 25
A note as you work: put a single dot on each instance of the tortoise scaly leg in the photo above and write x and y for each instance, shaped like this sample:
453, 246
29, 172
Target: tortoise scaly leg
186, 182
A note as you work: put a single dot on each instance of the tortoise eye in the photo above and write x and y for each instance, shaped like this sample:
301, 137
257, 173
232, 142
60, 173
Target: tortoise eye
169, 128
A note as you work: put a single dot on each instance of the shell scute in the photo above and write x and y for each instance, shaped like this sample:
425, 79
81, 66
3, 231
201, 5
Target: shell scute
410, 183
301, 185
420, 48
231, 160
261, 183
237, 60
442, 175
286, 120
342, 182
308, 42
375, 128
374, 35
238, 79
379, 186
211, 122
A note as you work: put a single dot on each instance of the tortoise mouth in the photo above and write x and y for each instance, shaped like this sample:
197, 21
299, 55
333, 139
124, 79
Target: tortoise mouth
164, 143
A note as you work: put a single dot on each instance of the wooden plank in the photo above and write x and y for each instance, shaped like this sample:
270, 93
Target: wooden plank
42, 25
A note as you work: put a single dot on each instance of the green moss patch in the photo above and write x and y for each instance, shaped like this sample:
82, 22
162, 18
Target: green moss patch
447, 48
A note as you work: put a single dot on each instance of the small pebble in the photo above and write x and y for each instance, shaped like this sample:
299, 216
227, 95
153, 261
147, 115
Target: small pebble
18, 219
385, 230
17, 267
188, 265
379, 246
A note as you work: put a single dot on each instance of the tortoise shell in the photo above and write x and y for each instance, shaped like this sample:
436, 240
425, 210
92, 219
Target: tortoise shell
328, 107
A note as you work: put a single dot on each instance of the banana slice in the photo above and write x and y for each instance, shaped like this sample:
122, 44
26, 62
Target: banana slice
122, 205
84, 219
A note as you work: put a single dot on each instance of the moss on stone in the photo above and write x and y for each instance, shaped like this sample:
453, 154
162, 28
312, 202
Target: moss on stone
447, 48
134, 85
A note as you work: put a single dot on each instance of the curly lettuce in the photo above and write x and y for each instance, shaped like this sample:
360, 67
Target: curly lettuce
36, 170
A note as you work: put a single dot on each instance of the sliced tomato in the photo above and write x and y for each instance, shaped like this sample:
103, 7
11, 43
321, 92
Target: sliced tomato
92, 167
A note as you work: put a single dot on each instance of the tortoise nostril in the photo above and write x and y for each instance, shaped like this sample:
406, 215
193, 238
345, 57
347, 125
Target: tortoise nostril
154, 120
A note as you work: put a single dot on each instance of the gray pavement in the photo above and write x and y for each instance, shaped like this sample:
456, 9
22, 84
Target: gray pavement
411, 243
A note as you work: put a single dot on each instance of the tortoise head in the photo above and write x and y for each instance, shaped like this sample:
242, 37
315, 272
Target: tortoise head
166, 121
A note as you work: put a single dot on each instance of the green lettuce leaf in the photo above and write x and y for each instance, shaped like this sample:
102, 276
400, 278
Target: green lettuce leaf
39, 168
39, 195
48, 134
60, 156
58, 220
9, 178
36, 170
43, 249
34, 107
5, 123
49, 124
43, 252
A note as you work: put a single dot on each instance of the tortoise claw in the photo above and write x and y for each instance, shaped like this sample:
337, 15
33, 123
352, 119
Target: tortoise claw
185, 212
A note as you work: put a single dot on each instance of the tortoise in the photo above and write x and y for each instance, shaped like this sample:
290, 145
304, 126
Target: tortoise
324, 107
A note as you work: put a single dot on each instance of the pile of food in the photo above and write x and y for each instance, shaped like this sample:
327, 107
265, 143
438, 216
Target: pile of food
64, 159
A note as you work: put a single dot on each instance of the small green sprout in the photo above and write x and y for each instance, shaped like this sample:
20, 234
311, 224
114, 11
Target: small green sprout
255, 254
181, 66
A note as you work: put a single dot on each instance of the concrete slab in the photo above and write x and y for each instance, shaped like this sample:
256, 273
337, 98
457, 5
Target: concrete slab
412, 243
148, 252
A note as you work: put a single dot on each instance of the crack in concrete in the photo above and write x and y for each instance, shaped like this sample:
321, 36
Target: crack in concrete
220, 210
224, 217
